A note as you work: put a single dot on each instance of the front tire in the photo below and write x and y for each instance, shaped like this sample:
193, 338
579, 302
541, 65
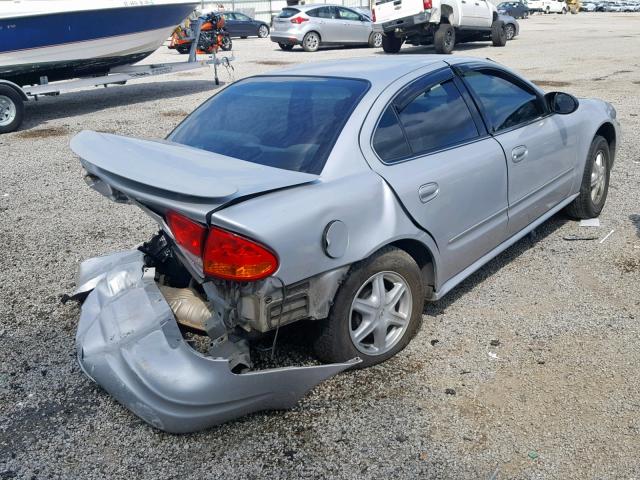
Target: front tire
375, 40
444, 39
498, 34
376, 311
11, 109
595, 181
263, 31
510, 31
311, 42
391, 43
227, 44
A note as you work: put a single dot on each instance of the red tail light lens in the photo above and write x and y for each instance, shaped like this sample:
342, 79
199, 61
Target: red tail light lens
299, 20
188, 234
427, 4
373, 15
223, 254
232, 257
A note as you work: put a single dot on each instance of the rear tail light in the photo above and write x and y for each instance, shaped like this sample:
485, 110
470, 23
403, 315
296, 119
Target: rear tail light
427, 4
373, 15
187, 233
232, 257
223, 254
299, 20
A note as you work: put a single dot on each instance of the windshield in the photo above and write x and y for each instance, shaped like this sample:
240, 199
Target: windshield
284, 122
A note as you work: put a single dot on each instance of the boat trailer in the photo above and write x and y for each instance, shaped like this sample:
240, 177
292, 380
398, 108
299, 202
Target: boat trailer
12, 106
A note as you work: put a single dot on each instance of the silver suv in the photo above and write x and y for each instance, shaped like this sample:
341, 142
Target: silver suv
315, 25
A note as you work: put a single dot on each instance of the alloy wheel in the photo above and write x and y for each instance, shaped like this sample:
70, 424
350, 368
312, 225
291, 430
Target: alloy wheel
311, 41
380, 313
598, 177
377, 40
263, 31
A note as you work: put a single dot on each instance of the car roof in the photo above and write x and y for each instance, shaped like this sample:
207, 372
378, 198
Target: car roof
380, 70
304, 8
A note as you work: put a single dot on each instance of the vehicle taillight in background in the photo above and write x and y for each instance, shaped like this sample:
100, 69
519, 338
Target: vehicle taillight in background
298, 20
373, 15
427, 4
220, 253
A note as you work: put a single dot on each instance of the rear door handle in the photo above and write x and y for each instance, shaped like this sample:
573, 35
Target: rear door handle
519, 153
428, 191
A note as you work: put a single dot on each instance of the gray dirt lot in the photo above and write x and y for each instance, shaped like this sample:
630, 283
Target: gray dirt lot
565, 384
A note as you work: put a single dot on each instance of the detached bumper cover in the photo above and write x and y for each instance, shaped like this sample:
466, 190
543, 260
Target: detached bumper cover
128, 342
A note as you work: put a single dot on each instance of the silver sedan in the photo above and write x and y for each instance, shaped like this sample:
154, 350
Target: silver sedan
345, 193
314, 25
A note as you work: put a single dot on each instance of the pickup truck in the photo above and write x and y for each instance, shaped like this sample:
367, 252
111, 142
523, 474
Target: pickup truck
442, 23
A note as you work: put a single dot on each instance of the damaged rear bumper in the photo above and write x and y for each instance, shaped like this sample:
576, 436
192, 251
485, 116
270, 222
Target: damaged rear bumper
128, 341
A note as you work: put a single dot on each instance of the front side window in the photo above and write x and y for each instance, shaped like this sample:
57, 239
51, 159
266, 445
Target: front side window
505, 104
242, 17
283, 122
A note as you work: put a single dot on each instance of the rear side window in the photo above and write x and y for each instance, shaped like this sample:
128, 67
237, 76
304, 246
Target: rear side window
389, 141
437, 118
283, 122
505, 103
323, 12
288, 12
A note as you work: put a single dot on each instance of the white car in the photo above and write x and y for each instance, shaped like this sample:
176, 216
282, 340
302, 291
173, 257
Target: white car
442, 23
548, 6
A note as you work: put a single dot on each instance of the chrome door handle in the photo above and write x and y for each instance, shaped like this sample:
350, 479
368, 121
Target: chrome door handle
519, 153
428, 191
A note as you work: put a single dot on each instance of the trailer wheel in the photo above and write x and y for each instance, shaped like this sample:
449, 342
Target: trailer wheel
11, 109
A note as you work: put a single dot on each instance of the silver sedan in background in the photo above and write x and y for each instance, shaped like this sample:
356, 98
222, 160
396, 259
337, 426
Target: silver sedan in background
314, 25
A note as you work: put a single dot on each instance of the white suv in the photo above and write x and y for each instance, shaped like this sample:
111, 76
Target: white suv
442, 23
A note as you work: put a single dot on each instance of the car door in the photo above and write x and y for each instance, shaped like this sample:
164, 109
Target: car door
449, 174
231, 24
540, 148
327, 22
245, 25
355, 28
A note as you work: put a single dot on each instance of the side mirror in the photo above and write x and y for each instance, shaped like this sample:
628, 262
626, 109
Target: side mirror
561, 103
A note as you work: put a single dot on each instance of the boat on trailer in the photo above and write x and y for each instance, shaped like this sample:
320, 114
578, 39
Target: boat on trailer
63, 39
47, 47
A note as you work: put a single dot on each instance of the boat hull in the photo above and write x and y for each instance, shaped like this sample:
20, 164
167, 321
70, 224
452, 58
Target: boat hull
74, 44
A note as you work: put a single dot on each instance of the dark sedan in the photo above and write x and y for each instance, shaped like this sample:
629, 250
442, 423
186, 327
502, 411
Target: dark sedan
241, 25
515, 9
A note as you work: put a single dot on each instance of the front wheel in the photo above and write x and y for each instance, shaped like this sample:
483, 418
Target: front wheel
263, 31
444, 39
595, 181
510, 31
391, 43
376, 311
375, 40
311, 42
498, 34
11, 109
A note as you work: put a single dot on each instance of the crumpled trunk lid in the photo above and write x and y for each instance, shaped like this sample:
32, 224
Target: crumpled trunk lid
168, 175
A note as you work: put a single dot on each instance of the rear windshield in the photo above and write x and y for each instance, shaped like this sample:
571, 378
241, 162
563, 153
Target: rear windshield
284, 122
288, 12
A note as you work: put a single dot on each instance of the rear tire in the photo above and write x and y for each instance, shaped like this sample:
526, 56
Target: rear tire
263, 31
338, 334
595, 181
311, 42
444, 39
11, 109
498, 34
286, 47
391, 43
375, 40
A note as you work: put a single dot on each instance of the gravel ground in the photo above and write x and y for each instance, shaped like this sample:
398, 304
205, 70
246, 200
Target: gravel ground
540, 346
